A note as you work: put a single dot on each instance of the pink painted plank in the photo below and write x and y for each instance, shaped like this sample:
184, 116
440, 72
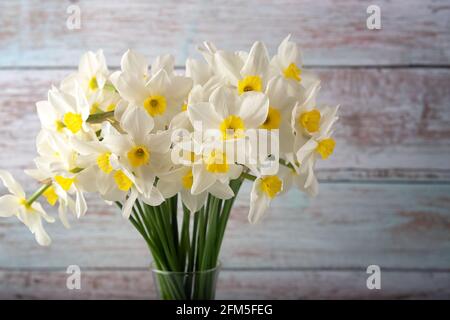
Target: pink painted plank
135, 284
413, 32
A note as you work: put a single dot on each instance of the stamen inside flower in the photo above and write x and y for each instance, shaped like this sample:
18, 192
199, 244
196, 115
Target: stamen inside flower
292, 72
65, 183
271, 186
73, 121
232, 127
103, 162
155, 105
273, 119
187, 180
216, 162
50, 195
138, 156
122, 181
59, 125
95, 108
326, 147
93, 84
250, 83
111, 107
310, 120
184, 107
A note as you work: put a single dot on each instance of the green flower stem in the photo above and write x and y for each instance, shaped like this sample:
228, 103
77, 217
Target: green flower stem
286, 164
38, 193
100, 117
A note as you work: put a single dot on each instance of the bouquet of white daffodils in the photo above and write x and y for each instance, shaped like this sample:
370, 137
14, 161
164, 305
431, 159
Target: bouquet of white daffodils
150, 139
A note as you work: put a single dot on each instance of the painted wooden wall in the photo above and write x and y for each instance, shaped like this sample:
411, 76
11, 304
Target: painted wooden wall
385, 193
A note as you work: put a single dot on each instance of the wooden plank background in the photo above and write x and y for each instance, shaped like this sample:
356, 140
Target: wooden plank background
384, 195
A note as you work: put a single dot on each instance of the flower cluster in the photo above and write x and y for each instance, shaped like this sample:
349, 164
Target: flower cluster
149, 133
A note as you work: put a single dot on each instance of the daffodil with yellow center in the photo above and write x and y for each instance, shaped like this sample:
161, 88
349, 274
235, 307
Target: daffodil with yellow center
123, 183
232, 127
216, 162
155, 105
310, 120
250, 83
73, 121
138, 156
104, 163
187, 180
292, 72
273, 119
325, 147
271, 186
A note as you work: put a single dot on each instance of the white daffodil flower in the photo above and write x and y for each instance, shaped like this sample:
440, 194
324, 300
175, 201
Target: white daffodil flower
229, 115
209, 167
64, 164
162, 95
141, 152
30, 214
54, 193
280, 112
91, 76
98, 172
65, 113
245, 72
308, 151
264, 190
288, 63
309, 119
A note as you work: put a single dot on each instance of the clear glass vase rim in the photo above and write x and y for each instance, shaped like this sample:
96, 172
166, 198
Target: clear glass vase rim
216, 268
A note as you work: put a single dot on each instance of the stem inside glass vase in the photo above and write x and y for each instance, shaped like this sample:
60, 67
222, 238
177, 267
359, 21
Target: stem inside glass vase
196, 285
186, 251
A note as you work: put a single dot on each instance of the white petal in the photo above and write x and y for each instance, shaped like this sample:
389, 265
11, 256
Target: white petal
258, 203
165, 62
257, 62
180, 87
228, 65
137, 123
11, 184
129, 203
134, 63
202, 179
221, 191
155, 198
8, 205
193, 202
203, 116
80, 204
254, 109
159, 83
225, 101
160, 142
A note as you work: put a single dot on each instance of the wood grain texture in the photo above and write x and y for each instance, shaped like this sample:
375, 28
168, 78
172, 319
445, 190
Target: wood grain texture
394, 124
138, 284
34, 33
397, 226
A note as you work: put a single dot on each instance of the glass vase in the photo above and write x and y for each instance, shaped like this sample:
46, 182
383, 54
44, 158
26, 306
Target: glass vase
197, 285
